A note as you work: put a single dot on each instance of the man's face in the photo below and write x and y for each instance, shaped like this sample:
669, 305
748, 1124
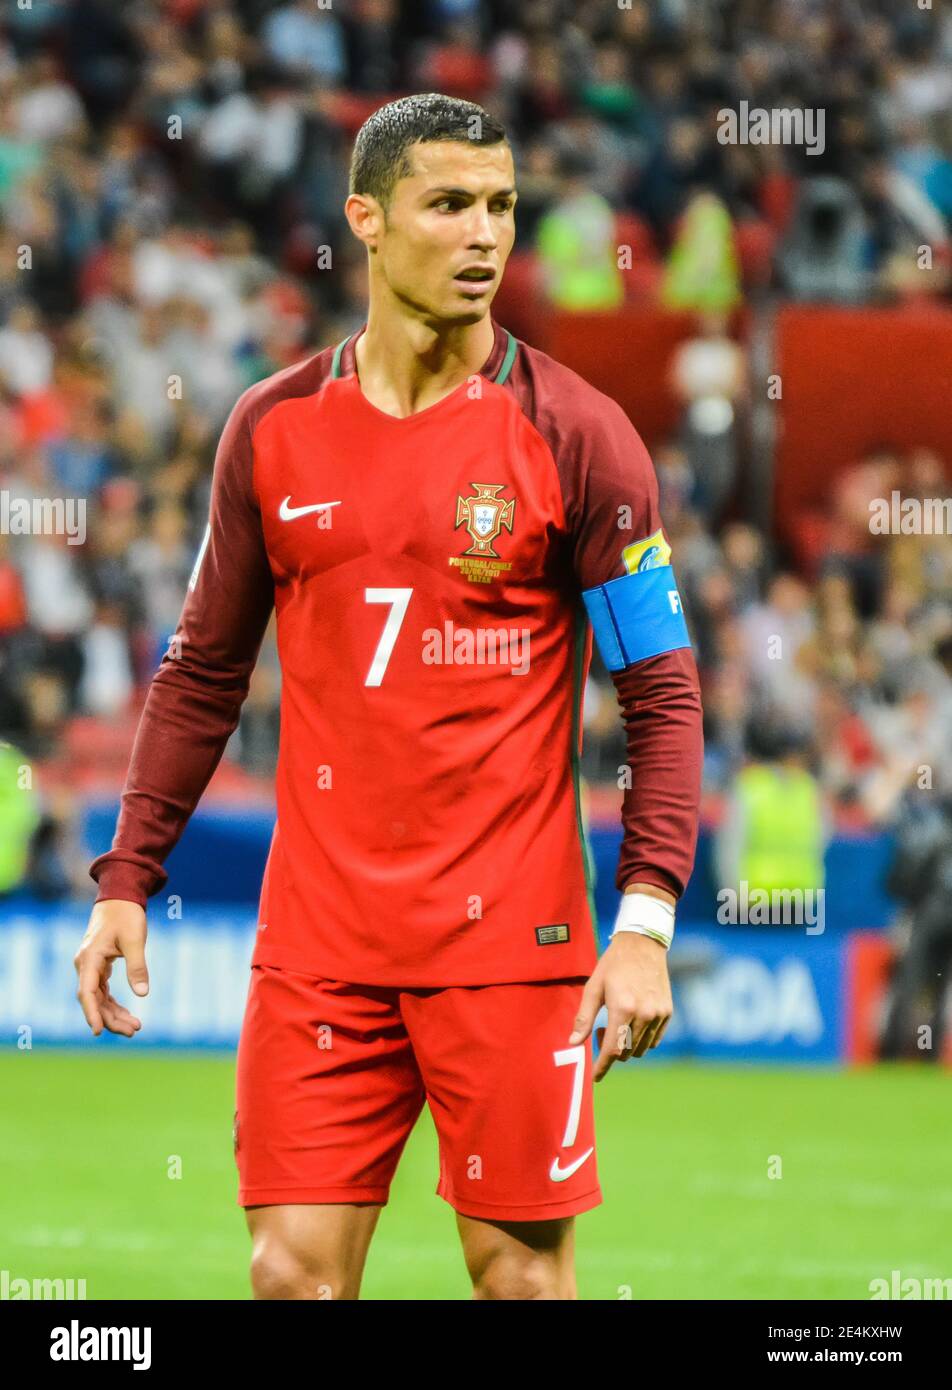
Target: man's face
453, 214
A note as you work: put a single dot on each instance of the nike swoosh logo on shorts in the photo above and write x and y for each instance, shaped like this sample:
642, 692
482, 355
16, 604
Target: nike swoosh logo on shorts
287, 513
558, 1174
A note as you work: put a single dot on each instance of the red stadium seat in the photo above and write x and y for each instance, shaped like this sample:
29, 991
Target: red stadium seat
777, 197
458, 71
643, 280
809, 534
755, 242
632, 230
350, 109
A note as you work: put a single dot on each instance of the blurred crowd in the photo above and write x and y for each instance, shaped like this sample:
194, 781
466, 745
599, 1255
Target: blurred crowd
171, 183
852, 663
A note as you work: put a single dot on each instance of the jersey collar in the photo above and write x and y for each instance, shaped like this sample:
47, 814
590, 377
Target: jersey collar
496, 368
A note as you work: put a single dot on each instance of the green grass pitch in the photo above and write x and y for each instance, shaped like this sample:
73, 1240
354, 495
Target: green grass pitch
684, 1155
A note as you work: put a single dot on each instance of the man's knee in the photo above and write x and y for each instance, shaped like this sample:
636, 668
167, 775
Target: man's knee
279, 1271
310, 1250
524, 1276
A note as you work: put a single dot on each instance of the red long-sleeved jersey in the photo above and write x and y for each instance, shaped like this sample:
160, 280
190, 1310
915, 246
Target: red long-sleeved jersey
427, 575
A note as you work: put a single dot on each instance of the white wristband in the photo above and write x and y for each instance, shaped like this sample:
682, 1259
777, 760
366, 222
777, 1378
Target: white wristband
639, 912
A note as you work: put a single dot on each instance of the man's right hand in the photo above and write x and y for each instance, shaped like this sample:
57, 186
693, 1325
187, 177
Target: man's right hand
116, 928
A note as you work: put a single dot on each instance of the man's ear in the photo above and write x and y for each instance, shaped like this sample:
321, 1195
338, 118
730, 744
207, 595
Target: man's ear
366, 218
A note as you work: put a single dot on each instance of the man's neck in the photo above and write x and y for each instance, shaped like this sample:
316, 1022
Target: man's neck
403, 366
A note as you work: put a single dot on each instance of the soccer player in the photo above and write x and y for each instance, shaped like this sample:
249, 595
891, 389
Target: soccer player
443, 518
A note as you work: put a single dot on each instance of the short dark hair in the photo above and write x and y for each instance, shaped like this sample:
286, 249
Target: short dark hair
380, 156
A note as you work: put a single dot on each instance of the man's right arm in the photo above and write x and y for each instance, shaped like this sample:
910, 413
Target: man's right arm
195, 698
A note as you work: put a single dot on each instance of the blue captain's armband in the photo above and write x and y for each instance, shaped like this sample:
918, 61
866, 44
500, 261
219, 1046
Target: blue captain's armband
637, 616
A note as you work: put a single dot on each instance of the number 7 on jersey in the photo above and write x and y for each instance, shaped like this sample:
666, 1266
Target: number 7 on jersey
400, 599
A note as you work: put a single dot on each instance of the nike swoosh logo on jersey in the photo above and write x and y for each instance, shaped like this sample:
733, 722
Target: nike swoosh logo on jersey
287, 513
558, 1174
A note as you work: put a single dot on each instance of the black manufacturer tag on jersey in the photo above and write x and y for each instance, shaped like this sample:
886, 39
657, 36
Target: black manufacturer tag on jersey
550, 936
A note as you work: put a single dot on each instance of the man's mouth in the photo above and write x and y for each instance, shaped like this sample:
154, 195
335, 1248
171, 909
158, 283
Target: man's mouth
476, 277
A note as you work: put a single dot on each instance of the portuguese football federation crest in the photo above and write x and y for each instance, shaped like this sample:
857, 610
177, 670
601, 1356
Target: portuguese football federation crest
485, 515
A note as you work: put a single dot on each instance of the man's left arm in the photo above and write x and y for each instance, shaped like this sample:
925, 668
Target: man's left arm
623, 563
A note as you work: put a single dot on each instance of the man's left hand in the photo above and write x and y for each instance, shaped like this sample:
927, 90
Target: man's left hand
631, 980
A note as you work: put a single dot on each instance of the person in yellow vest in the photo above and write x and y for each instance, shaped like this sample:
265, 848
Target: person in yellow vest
19, 816
702, 270
576, 244
774, 833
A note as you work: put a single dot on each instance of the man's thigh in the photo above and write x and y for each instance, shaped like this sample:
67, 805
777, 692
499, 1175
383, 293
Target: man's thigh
327, 1091
511, 1101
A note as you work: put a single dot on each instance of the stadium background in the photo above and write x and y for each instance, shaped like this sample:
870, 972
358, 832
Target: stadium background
777, 324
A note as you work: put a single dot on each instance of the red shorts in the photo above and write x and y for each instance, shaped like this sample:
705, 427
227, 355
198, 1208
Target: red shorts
332, 1077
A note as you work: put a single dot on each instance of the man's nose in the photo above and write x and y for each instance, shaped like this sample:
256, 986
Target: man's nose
481, 230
